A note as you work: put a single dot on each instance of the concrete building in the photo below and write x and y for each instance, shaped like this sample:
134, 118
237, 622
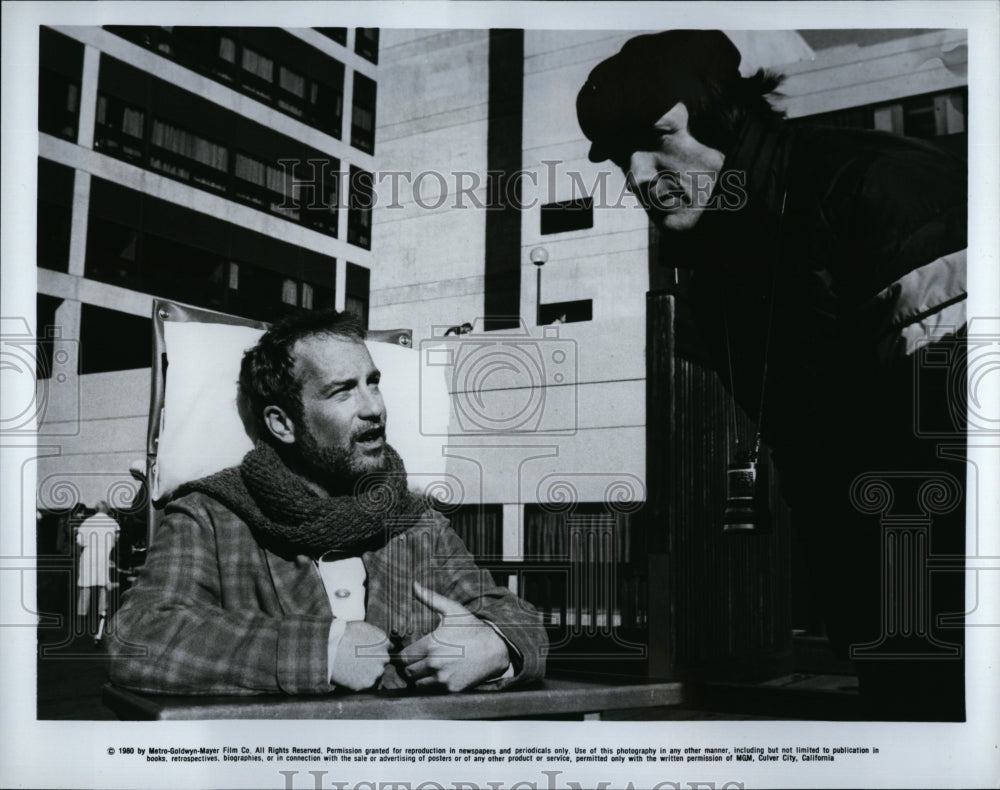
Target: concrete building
160, 175
457, 104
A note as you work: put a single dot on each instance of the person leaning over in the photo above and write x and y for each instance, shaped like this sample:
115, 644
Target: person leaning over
822, 263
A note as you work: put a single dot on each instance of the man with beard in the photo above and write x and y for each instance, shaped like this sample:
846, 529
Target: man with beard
822, 263
311, 566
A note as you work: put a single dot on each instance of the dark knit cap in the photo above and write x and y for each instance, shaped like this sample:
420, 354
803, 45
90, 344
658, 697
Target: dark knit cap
627, 93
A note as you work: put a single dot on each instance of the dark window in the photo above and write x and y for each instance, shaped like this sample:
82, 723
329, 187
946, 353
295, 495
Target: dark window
45, 320
359, 208
112, 253
325, 102
356, 291
60, 71
259, 293
363, 113
187, 156
565, 312
146, 244
180, 271
567, 215
366, 43
269, 64
314, 187
317, 297
55, 215
120, 128
338, 34
112, 340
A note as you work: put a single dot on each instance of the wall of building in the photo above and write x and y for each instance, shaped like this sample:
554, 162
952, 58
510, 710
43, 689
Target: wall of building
433, 115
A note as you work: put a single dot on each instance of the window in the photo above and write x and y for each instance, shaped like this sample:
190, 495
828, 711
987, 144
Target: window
188, 156
357, 290
120, 128
292, 82
55, 215
112, 253
112, 340
565, 312
184, 272
567, 215
45, 321
363, 114
359, 208
269, 64
325, 106
317, 297
60, 70
338, 34
227, 49
258, 65
366, 43
260, 294
258, 74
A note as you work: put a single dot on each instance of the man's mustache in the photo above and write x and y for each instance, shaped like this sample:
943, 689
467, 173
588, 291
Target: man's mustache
370, 434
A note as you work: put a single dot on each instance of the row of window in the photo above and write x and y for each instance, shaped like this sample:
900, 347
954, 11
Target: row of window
145, 121
162, 266
274, 67
145, 244
940, 117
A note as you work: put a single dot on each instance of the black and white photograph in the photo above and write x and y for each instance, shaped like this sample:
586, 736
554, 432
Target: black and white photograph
508, 395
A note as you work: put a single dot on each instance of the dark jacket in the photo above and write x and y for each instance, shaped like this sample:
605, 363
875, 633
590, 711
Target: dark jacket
216, 612
848, 248
821, 270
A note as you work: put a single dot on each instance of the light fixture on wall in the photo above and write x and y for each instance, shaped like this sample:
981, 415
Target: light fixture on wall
538, 256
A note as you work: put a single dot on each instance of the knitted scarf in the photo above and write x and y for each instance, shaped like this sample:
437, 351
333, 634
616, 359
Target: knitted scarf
276, 502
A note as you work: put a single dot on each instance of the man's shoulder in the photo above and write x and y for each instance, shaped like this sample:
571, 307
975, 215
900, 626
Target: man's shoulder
200, 505
831, 150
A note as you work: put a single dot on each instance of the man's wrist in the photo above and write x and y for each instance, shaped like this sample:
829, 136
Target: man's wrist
337, 629
513, 655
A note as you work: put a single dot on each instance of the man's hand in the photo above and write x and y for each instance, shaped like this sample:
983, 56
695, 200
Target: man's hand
459, 653
361, 656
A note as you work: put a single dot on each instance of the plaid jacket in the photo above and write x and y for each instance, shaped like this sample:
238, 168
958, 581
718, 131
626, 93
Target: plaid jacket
215, 612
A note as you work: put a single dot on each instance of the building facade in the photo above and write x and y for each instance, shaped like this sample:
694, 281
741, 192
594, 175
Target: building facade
225, 168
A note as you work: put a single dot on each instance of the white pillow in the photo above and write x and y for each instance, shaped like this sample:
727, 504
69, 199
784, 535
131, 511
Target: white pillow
201, 431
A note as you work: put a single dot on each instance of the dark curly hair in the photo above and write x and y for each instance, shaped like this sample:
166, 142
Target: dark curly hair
267, 373
718, 111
